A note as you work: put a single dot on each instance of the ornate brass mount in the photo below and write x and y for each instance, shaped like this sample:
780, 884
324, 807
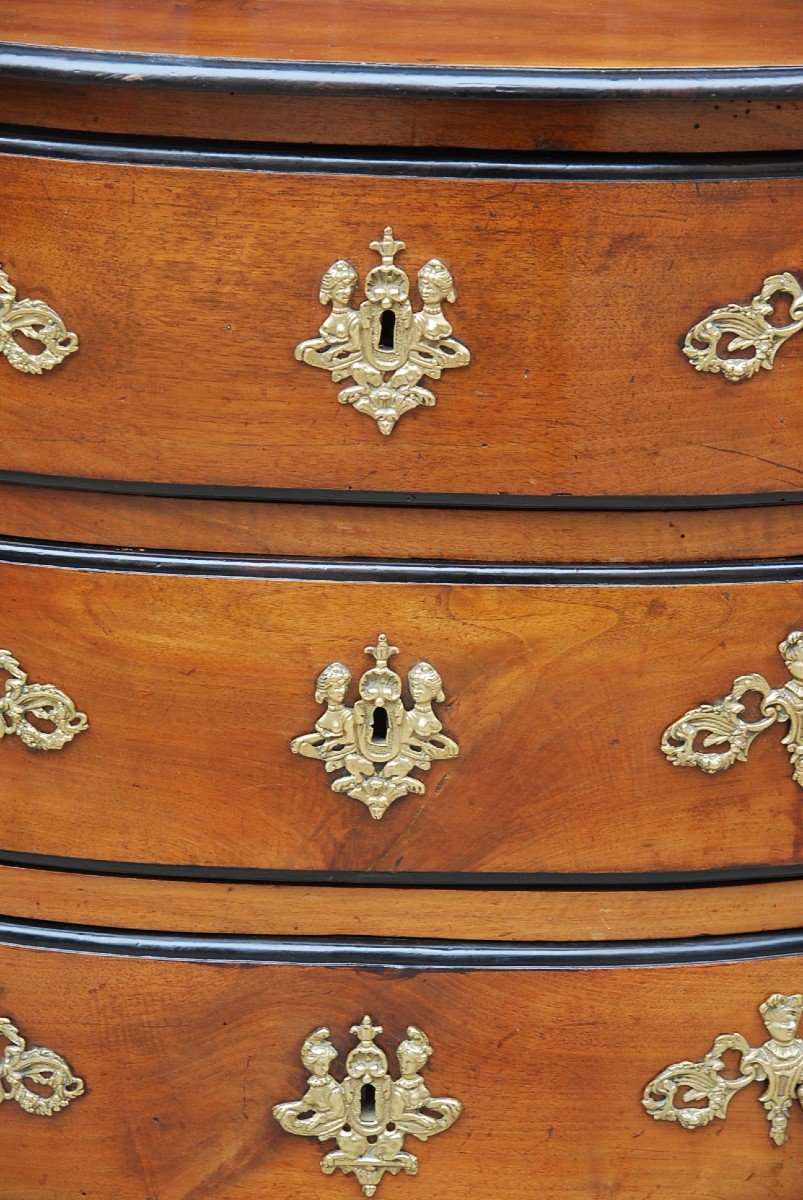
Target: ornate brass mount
35, 1065
723, 726
751, 330
42, 701
368, 1114
778, 1063
36, 320
384, 337
378, 742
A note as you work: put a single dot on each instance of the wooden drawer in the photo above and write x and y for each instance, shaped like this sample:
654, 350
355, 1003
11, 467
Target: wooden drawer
559, 685
548, 1051
190, 288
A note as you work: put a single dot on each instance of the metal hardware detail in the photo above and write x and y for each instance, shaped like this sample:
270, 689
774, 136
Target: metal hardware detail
42, 701
368, 1114
36, 320
751, 329
778, 1063
723, 726
378, 742
384, 337
45, 1068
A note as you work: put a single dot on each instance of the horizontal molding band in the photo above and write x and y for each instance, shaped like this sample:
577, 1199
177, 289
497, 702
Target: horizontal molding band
439, 572
559, 502
137, 70
386, 954
422, 162
486, 880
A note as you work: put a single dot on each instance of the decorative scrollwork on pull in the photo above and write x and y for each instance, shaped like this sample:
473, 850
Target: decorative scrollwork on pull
385, 347
369, 1114
727, 737
42, 701
749, 328
378, 742
778, 1063
21, 1066
35, 320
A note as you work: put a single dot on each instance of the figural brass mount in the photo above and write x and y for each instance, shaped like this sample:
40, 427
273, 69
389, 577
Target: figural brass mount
21, 1066
368, 1114
726, 736
36, 320
43, 702
383, 346
778, 1063
749, 328
378, 742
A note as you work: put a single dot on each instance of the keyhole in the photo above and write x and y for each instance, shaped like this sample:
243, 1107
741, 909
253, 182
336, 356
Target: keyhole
368, 1104
379, 725
387, 330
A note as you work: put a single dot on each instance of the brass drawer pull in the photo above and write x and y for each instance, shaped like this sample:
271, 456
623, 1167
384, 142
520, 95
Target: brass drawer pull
36, 320
750, 328
369, 1114
778, 1063
42, 1067
383, 346
42, 701
727, 737
378, 742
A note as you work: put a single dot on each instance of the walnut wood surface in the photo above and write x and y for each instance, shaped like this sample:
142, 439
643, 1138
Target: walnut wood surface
563, 33
190, 288
320, 530
558, 697
467, 914
184, 1062
710, 125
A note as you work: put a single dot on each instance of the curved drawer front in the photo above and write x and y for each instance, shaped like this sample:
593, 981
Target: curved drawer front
191, 289
533, 1067
540, 710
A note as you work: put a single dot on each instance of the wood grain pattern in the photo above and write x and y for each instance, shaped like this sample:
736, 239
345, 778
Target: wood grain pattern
189, 309
183, 1063
563, 33
312, 530
557, 696
715, 125
448, 913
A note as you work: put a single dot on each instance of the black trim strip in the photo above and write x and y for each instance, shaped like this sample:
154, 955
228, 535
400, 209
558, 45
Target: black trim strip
174, 562
494, 500
137, 70
380, 953
422, 163
510, 880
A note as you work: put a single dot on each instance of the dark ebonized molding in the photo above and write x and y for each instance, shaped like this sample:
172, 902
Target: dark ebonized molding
422, 163
173, 562
140, 70
589, 881
380, 953
496, 500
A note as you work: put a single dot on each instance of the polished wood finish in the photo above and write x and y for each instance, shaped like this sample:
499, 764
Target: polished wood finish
350, 531
710, 125
557, 696
564, 33
184, 1061
482, 914
190, 288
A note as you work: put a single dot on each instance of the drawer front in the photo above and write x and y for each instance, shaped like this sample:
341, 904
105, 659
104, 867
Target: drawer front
541, 710
184, 1061
191, 288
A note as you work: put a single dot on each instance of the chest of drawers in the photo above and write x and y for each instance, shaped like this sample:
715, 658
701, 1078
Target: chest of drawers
401, 714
